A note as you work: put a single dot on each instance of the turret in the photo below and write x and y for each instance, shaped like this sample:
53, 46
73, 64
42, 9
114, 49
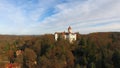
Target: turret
69, 29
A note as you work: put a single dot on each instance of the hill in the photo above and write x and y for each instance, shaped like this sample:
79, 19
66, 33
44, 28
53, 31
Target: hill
95, 50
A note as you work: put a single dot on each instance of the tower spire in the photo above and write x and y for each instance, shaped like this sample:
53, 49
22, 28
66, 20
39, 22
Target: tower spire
69, 29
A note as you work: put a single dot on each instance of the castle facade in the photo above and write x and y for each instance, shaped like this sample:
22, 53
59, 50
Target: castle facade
66, 35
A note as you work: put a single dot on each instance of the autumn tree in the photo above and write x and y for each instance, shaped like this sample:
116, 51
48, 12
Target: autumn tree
29, 58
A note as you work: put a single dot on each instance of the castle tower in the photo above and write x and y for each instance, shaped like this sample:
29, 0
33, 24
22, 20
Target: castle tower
69, 29
56, 36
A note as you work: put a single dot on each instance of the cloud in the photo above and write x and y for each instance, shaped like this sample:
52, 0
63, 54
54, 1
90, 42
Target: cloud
41, 16
82, 15
10, 18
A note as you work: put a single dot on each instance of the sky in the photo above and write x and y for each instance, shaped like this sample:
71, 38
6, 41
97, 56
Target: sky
35, 17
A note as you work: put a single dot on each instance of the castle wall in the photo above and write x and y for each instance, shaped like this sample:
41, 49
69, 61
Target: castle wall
56, 37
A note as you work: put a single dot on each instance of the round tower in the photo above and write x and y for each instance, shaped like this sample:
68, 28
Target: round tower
69, 29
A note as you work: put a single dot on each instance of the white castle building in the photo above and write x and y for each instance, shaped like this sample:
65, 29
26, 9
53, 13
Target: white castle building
66, 35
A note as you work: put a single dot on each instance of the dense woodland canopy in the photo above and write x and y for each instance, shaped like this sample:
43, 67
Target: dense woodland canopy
95, 50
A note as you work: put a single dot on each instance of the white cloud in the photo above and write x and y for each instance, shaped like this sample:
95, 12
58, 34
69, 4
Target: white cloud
85, 16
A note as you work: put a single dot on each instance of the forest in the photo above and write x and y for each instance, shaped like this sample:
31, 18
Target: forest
94, 50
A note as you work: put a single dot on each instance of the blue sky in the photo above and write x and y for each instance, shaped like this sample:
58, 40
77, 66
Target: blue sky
34, 17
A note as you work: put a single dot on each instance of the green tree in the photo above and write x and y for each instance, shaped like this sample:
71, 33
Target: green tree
116, 59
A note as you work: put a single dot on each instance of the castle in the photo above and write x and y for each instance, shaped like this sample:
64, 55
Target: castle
66, 35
